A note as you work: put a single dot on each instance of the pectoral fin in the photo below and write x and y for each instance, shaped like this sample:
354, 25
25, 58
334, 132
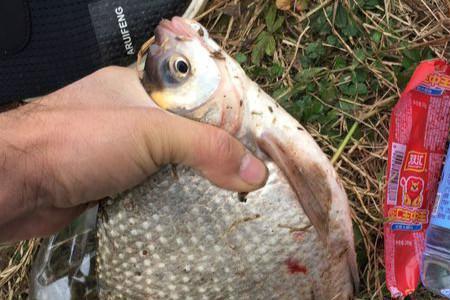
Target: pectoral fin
307, 179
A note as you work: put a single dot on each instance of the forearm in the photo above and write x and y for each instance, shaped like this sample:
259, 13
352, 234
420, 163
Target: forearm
32, 143
21, 164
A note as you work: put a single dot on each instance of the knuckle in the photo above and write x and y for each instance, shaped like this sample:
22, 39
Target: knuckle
223, 144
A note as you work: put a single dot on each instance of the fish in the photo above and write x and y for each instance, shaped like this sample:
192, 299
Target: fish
178, 236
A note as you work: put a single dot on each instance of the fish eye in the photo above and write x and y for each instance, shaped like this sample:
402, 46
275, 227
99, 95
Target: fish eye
179, 67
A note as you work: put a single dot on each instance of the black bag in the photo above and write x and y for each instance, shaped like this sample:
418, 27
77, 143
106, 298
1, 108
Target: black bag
47, 44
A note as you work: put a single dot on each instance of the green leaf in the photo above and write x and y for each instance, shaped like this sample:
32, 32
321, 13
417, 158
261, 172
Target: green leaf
305, 61
298, 88
329, 118
296, 110
327, 91
270, 17
413, 54
256, 71
377, 64
276, 70
311, 87
311, 109
407, 63
241, 57
260, 47
360, 54
332, 40
427, 54
374, 85
281, 94
278, 23
332, 116
319, 23
376, 36
361, 89
405, 75
315, 50
359, 75
315, 111
301, 104
257, 54
345, 106
306, 75
340, 62
270, 46
262, 37
354, 89
341, 17
352, 29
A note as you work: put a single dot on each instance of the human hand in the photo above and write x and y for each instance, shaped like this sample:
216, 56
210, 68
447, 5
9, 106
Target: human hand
98, 137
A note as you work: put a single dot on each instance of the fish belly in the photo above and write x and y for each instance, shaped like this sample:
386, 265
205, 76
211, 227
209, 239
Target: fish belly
178, 237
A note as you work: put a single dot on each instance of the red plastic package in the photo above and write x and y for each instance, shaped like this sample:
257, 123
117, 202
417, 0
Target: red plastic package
417, 138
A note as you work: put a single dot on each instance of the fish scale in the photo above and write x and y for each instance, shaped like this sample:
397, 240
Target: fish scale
162, 240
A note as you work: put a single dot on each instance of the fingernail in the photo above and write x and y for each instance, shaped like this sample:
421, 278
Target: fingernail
252, 170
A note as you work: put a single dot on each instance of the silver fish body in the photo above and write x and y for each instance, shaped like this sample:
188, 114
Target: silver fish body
177, 236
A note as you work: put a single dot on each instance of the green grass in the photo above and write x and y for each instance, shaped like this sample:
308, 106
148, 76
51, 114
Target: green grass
339, 67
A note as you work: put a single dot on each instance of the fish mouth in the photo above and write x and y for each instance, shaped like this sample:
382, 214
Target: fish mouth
176, 28
167, 34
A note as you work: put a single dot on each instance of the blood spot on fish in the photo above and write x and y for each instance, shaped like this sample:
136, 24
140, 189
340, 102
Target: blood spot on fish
294, 266
270, 109
298, 236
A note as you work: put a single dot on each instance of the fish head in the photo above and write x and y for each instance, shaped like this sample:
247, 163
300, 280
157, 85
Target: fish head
186, 72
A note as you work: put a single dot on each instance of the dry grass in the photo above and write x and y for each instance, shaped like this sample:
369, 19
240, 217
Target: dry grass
349, 121
15, 261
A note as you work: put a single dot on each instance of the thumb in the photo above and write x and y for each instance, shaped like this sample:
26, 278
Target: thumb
217, 155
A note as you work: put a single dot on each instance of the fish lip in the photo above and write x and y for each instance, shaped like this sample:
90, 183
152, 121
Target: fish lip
177, 27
